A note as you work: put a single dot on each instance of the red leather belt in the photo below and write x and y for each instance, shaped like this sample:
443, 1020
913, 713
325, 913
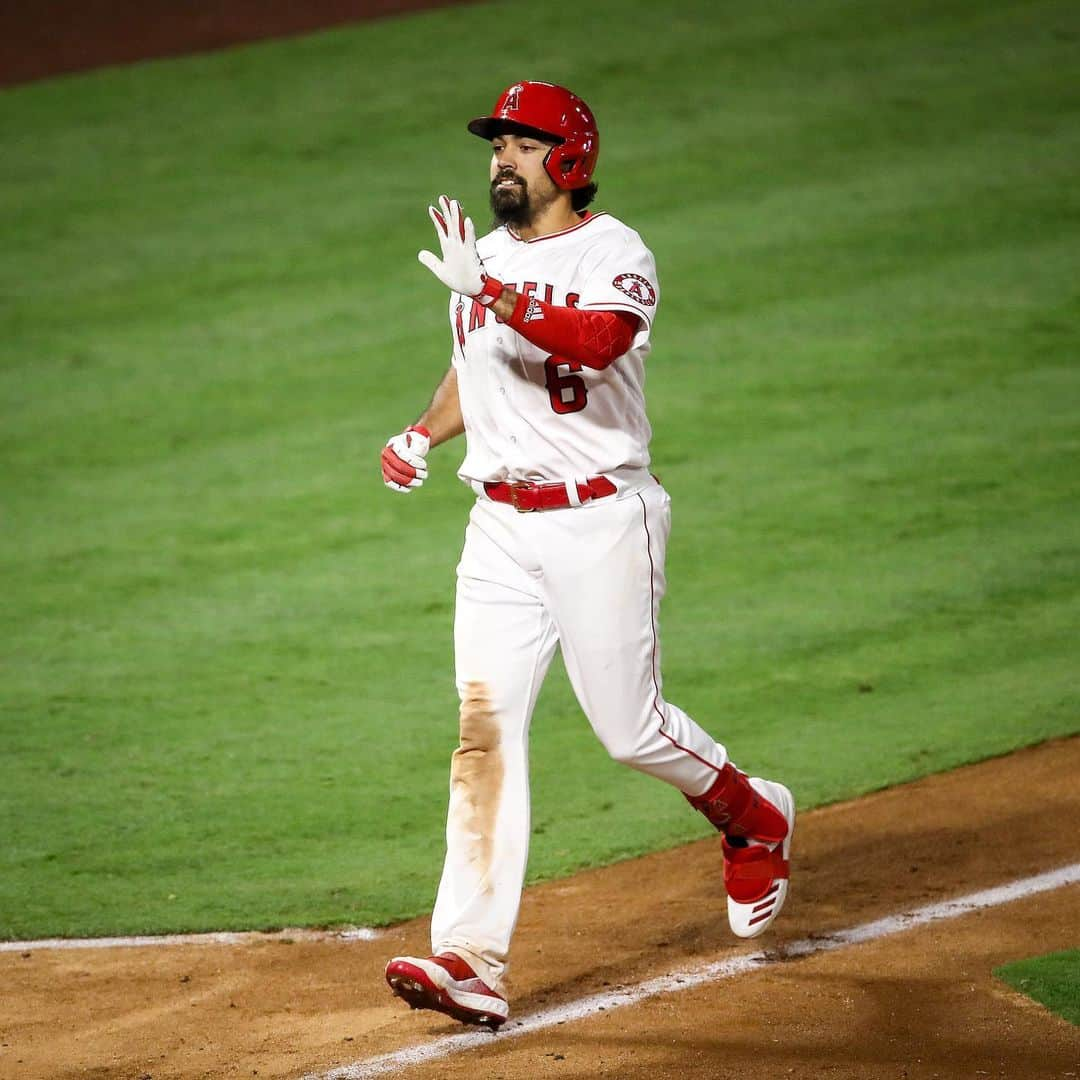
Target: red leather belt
525, 497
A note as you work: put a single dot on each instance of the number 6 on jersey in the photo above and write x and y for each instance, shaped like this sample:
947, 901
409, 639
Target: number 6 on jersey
567, 390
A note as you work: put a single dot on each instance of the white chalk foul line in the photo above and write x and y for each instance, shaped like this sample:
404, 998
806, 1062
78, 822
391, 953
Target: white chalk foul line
691, 977
225, 937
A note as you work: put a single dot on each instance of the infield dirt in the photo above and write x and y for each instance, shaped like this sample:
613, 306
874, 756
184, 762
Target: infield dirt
921, 1004
53, 37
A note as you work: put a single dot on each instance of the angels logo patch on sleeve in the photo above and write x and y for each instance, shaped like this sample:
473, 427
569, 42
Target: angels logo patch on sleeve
637, 288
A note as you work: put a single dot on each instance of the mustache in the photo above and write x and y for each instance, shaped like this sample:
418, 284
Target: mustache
507, 175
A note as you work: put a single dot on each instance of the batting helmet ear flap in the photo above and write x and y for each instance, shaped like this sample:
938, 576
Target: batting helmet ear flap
558, 165
570, 164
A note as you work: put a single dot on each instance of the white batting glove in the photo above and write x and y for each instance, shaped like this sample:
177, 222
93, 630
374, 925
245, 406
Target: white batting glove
460, 268
403, 464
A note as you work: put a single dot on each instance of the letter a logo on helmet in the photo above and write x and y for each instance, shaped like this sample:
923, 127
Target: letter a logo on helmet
554, 114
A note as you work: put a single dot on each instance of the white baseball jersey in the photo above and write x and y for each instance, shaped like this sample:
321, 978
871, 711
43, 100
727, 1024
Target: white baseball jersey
530, 415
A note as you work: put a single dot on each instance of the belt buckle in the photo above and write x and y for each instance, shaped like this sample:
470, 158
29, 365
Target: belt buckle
515, 487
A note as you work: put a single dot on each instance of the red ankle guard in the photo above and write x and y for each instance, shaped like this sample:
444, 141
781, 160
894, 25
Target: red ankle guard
734, 808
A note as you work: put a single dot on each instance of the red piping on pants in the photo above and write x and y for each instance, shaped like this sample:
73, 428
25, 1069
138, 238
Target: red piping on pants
652, 617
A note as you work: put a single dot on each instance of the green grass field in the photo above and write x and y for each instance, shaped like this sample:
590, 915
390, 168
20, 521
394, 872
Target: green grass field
227, 675
1052, 980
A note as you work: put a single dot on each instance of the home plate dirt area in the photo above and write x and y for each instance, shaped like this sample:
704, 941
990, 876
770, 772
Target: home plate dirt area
916, 1000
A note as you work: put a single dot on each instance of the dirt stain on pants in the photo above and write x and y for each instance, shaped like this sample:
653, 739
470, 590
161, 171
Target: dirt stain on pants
476, 778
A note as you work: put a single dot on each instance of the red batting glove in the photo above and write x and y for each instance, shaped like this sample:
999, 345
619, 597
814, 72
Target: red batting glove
403, 459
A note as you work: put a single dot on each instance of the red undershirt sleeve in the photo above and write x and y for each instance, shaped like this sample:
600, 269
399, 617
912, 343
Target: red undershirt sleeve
592, 338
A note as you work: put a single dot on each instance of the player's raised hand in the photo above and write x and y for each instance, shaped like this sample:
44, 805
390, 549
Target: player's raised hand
460, 268
403, 460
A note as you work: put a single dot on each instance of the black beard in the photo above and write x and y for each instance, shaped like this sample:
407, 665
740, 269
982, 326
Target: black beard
511, 205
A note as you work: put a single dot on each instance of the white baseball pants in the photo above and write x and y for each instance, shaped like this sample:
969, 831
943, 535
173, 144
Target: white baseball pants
589, 579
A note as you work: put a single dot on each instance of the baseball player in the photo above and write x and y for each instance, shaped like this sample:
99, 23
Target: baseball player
550, 319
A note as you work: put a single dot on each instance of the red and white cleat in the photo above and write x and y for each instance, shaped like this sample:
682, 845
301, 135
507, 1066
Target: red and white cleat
756, 873
448, 985
757, 818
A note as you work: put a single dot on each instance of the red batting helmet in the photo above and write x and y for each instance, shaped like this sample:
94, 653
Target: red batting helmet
548, 112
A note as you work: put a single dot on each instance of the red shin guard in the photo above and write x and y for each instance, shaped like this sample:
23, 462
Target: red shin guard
737, 810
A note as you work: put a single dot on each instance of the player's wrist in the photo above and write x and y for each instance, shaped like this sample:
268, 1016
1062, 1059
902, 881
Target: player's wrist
420, 429
490, 290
